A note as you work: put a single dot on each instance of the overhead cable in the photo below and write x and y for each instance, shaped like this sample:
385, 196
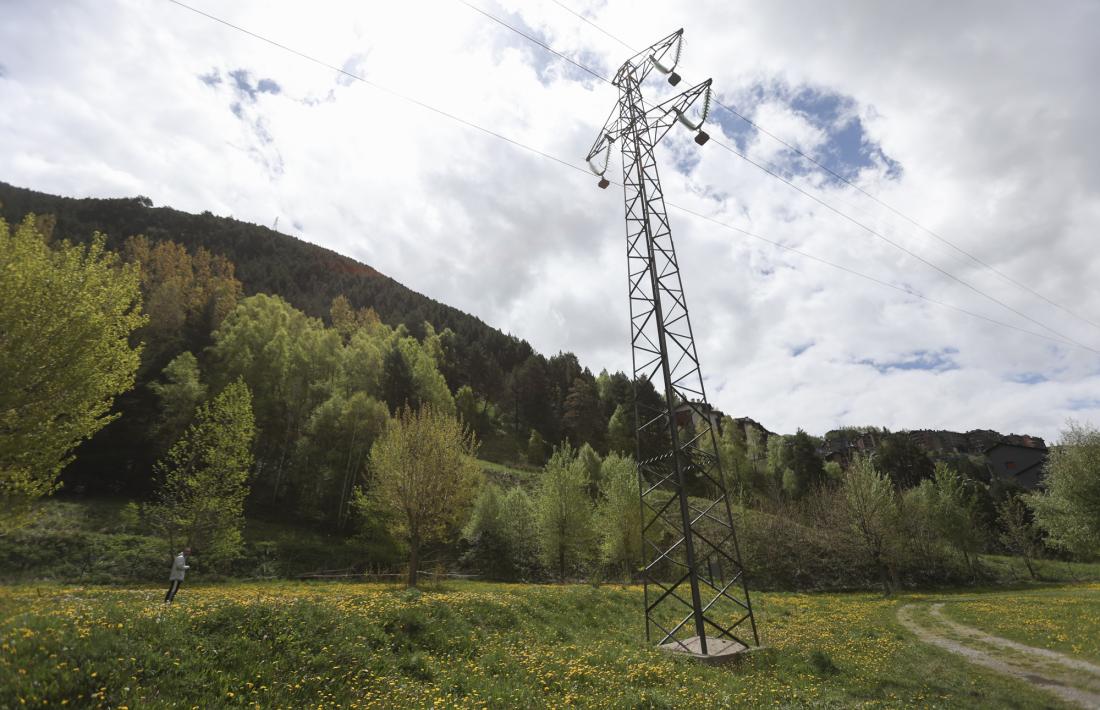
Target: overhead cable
809, 158
580, 169
875, 233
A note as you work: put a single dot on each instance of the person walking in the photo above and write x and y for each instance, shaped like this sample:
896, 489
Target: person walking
179, 566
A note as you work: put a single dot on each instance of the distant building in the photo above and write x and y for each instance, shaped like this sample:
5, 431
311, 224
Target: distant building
1017, 464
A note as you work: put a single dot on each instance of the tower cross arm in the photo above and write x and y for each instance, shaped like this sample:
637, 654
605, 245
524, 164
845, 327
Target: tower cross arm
662, 116
599, 155
663, 55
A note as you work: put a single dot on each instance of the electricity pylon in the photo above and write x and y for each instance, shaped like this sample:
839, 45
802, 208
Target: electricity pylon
688, 539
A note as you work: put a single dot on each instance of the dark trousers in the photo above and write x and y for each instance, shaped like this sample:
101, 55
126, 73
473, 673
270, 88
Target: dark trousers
173, 587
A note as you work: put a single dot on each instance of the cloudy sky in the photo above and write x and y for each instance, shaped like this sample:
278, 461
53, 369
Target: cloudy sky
976, 120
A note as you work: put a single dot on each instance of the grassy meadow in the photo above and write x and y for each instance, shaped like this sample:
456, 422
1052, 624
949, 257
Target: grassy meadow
472, 644
1066, 620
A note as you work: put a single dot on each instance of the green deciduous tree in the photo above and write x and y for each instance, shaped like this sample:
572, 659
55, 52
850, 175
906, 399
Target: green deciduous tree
429, 385
425, 474
362, 361
332, 454
1018, 531
466, 406
205, 477
486, 532
1068, 508
899, 457
949, 502
776, 463
536, 449
66, 316
619, 514
803, 464
870, 508
517, 511
348, 321
620, 432
740, 476
756, 448
180, 392
593, 464
563, 511
793, 464
291, 364
615, 390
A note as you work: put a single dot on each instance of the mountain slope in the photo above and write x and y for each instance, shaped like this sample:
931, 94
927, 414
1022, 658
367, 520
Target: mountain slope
306, 275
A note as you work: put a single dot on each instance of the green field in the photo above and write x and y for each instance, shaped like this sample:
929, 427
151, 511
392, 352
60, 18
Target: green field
284, 644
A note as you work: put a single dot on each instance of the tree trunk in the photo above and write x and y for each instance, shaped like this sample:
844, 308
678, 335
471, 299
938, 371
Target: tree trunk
561, 564
414, 561
884, 573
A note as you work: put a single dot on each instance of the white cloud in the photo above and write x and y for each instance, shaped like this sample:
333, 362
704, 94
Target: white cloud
987, 107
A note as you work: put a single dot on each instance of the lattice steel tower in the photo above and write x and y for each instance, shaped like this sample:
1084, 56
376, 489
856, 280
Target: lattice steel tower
696, 596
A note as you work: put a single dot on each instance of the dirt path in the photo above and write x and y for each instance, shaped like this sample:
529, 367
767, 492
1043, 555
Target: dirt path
1071, 679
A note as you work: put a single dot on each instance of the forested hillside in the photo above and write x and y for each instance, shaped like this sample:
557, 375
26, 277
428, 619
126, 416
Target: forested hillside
195, 268
226, 370
309, 277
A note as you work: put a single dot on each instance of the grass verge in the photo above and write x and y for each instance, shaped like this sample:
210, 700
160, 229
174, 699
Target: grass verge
1065, 619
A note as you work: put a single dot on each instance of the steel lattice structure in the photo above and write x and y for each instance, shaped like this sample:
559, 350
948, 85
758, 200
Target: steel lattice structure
695, 585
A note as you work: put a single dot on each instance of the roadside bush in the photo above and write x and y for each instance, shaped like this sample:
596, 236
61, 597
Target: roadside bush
810, 545
82, 557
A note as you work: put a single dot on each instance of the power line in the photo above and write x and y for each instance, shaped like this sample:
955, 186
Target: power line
584, 19
935, 235
897, 245
379, 87
537, 41
872, 279
580, 169
825, 204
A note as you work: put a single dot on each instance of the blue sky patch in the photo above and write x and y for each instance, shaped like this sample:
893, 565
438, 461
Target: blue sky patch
936, 361
1028, 378
268, 86
684, 157
847, 148
242, 80
245, 92
736, 128
797, 350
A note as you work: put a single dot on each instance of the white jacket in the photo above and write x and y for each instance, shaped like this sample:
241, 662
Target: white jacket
178, 567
